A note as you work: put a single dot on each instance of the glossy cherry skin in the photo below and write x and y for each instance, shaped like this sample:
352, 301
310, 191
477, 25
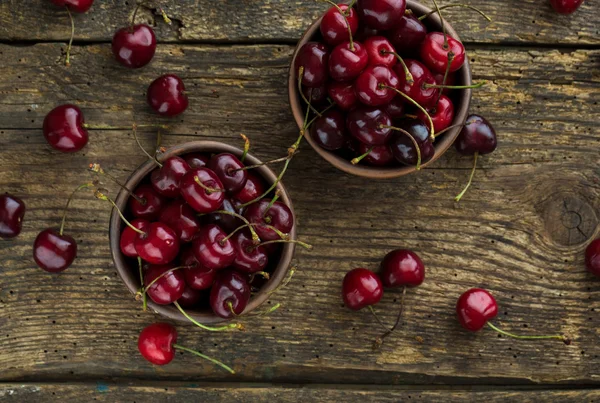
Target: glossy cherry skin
316, 95
346, 64
166, 95
425, 97
565, 6
592, 258
196, 160
435, 56
198, 198
196, 276
381, 14
314, 57
134, 47
364, 123
343, 94
408, 35
76, 6
450, 80
225, 165
478, 135
167, 179
441, 116
369, 85
248, 257
361, 288
379, 48
279, 216
226, 221
404, 149
181, 218
53, 252
63, 129
190, 297
159, 245
156, 343
396, 108
475, 308
210, 249
402, 268
334, 27
379, 156
254, 187
232, 288
12, 211
152, 205
329, 131
128, 237
168, 288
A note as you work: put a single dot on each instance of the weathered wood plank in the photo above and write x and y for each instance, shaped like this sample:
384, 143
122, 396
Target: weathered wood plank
514, 21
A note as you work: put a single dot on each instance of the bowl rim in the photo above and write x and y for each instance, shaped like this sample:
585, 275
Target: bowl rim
461, 108
129, 275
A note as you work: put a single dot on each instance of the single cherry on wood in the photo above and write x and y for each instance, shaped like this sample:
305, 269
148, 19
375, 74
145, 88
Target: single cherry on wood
12, 211
402, 268
134, 46
592, 257
361, 288
167, 96
76, 6
229, 294
566, 6
64, 129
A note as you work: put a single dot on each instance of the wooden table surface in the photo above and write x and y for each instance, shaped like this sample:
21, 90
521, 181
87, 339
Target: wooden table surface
520, 231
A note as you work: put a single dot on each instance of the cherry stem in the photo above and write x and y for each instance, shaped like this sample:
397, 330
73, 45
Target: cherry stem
421, 18
461, 194
377, 317
358, 159
345, 19
448, 129
456, 87
237, 326
431, 129
70, 45
352, 3
300, 76
414, 141
450, 59
285, 282
303, 244
439, 11
64, 217
379, 340
137, 140
247, 167
96, 168
274, 185
563, 338
140, 4
263, 274
267, 312
273, 200
246, 146
216, 362
208, 189
144, 297
230, 305
99, 195
247, 223
165, 16
163, 274
409, 76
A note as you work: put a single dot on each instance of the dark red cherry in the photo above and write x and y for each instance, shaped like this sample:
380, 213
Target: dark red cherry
168, 288
404, 149
435, 55
156, 343
364, 123
361, 288
181, 218
12, 210
190, 297
226, 221
346, 63
159, 244
63, 129
227, 166
254, 187
334, 27
128, 237
167, 96
381, 14
329, 131
364, 31
425, 97
279, 216
379, 155
408, 35
196, 276
592, 258
475, 308
396, 108
450, 80
201, 199
54, 252
565, 6
166, 179
151, 205
196, 160
248, 257
229, 294
314, 57
211, 249
477, 135
380, 51
402, 268
134, 47
76, 6
343, 94
441, 116
316, 95
371, 85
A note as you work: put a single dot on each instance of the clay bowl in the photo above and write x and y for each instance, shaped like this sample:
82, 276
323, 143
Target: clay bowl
460, 98
128, 268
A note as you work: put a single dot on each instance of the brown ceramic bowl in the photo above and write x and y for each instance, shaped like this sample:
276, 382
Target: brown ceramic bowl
127, 267
461, 99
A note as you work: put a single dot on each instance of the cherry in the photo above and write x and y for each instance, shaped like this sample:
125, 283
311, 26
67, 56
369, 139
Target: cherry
158, 245
361, 288
229, 170
404, 148
227, 222
372, 85
190, 297
381, 14
477, 136
156, 343
163, 284
166, 180
202, 190
408, 34
592, 258
134, 46
212, 249
347, 60
364, 123
396, 108
128, 237
329, 131
196, 160
278, 215
253, 188
475, 308
12, 211
380, 51
442, 115
64, 129
565, 6
402, 268
229, 294
416, 90
343, 94
151, 203
334, 25
196, 276
378, 156
434, 52
313, 58
181, 218
365, 31
248, 257
53, 251
76, 6
450, 80
167, 96
316, 95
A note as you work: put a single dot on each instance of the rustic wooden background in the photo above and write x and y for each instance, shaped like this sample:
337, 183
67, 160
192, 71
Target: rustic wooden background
520, 231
